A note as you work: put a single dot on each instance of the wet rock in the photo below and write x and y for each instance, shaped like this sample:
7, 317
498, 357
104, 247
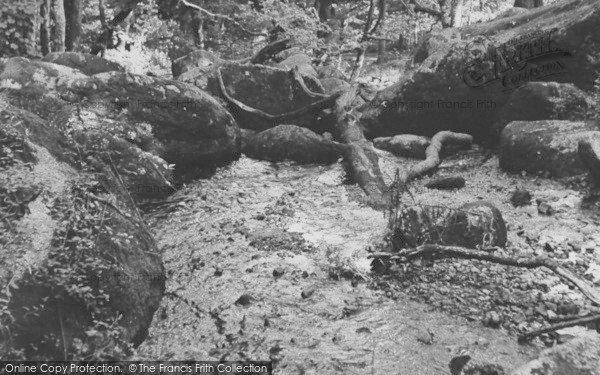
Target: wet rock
446, 183
471, 225
86, 63
544, 147
301, 61
520, 197
492, 319
407, 145
458, 363
333, 85
475, 224
578, 356
589, 153
69, 249
456, 87
542, 101
171, 120
291, 142
271, 90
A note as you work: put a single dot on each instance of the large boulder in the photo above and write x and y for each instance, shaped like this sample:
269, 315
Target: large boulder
87, 63
542, 101
271, 90
460, 85
579, 356
472, 225
172, 120
589, 153
300, 61
476, 224
74, 253
291, 142
548, 147
196, 67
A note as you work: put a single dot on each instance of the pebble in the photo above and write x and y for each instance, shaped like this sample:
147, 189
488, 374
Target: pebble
425, 336
308, 291
244, 300
277, 272
492, 319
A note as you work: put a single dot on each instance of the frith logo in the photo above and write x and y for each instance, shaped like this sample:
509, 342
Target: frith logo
526, 58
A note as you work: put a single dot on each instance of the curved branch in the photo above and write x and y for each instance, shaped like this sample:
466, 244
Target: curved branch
313, 107
224, 17
296, 76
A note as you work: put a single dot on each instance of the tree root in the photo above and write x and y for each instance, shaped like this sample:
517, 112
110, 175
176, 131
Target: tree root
326, 102
432, 155
439, 252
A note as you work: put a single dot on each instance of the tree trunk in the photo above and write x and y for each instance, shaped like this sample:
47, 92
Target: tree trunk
58, 40
324, 9
380, 52
73, 13
358, 64
456, 13
45, 27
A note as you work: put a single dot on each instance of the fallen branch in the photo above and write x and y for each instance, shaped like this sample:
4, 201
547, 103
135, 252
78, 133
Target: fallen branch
326, 102
224, 17
362, 159
439, 251
555, 327
432, 155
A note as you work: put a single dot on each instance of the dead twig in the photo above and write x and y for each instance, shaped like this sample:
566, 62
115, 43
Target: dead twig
440, 251
595, 318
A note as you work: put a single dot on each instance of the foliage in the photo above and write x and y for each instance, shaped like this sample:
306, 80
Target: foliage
18, 28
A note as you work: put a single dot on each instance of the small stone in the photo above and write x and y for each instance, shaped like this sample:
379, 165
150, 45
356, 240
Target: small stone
278, 272
545, 209
446, 183
218, 271
304, 274
259, 217
520, 197
492, 319
548, 247
308, 291
244, 300
425, 336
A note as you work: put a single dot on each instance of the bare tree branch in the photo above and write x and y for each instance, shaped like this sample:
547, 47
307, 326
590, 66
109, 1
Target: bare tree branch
224, 17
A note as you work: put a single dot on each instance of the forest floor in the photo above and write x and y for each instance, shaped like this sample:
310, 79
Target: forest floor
243, 248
